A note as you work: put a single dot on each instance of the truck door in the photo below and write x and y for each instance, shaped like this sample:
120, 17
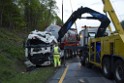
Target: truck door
92, 51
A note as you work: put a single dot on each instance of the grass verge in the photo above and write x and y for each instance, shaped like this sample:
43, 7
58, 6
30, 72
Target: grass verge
12, 68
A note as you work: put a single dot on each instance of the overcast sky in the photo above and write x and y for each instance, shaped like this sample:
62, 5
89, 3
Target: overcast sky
97, 5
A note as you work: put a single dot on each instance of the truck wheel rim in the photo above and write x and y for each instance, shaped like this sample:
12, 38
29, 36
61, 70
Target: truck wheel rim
86, 61
119, 73
105, 69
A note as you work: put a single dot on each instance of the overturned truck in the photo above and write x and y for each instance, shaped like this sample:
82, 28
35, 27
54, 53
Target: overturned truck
39, 48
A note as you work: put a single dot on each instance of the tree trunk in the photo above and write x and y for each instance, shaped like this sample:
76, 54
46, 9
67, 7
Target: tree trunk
1, 16
10, 22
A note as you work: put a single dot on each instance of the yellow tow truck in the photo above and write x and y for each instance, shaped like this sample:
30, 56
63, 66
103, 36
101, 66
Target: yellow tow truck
107, 52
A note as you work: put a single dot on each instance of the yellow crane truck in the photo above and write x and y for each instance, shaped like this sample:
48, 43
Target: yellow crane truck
106, 52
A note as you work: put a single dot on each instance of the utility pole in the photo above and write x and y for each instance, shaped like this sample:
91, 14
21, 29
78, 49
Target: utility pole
62, 12
72, 12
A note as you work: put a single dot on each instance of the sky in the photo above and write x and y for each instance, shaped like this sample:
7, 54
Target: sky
97, 5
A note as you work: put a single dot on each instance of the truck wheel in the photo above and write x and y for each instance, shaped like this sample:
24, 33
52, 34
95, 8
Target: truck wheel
71, 55
82, 61
87, 63
119, 71
66, 54
106, 68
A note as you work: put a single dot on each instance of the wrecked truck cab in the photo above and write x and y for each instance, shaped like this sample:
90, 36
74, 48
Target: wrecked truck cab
39, 48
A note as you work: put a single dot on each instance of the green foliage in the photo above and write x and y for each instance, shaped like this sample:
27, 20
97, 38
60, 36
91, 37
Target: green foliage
9, 14
27, 14
12, 61
21, 16
58, 21
11, 54
37, 76
6, 68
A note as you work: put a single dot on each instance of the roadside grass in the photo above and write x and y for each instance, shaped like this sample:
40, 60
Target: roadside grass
12, 68
40, 75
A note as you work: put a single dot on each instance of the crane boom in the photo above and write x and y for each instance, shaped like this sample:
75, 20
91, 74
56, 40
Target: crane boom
77, 14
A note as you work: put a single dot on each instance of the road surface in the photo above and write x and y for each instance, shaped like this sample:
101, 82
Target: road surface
75, 73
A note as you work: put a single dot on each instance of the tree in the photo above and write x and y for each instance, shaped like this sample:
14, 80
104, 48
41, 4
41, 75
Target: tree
10, 16
58, 20
32, 14
49, 15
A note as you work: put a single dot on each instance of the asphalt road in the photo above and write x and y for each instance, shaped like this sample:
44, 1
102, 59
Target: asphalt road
75, 73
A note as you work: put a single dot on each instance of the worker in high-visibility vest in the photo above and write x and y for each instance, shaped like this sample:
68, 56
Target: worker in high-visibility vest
56, 56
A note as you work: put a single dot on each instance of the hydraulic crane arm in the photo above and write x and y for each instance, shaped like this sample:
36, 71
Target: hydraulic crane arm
77, 14
109, 9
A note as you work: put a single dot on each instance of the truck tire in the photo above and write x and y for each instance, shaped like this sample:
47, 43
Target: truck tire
85, 60
119, 71
71, 56
106, 68
87, 63
66, 54
82, 61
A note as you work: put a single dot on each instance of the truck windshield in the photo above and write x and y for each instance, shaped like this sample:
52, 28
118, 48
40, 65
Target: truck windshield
92, 34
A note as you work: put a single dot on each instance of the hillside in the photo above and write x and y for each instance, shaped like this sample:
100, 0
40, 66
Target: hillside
12, 68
